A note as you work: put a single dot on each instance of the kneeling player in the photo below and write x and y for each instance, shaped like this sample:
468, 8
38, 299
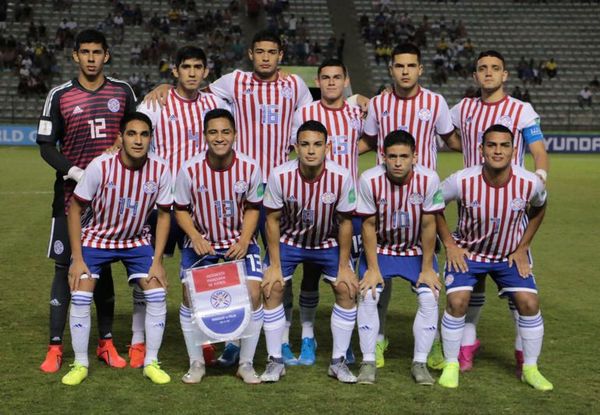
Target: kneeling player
492, 238
121, 190
309, 204
218, 194
398, 200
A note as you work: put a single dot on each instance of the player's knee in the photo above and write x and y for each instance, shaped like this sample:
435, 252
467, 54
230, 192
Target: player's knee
457, 303
255, 294
527, 304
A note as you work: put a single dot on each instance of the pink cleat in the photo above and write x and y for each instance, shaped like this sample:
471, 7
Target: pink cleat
519, 360
466, 355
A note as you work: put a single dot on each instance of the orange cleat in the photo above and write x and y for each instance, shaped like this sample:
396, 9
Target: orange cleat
107, 352
137, 353
53, 360
210, 359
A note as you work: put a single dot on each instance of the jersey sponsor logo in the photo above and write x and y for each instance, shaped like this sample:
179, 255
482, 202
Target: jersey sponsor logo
505, 120
449, 279
240, 186
518, 204
45, 127
355, 124
220, 299
424, 114
77, 110
114, 105
287, 92
438, 197
328, 198
150, 187
415, 199
59, 247
352, 196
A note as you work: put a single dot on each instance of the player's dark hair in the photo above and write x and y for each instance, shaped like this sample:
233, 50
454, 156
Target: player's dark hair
132, 116
409, 48
266, 36
189, 52
497, 128
90, 36
399, 137
218, 113
332, 62
492, 53
312, 125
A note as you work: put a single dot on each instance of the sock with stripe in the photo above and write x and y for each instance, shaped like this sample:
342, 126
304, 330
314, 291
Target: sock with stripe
342, 325
532, 333
452, 332
156, 314
309, 300
367, 319
80, 322
191, 334
472, 318
274, 324
425, 324
138, 316
252, 333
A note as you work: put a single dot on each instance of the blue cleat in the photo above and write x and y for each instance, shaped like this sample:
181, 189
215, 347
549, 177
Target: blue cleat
288, 357
307, 352
230, 356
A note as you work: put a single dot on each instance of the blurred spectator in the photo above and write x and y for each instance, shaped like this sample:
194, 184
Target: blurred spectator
516, 93
585, 97
526, 97
551, 68
595, 84
136, 54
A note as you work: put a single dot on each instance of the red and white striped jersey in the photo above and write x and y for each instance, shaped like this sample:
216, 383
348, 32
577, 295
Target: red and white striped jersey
178, 126
344, 126
399, 208
218, 198
309, 208
490, 218
472, 117
263, 114
422, 115
121, 200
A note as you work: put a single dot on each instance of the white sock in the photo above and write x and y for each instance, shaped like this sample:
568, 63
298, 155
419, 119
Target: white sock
367, 319
156, 315
80, 322
138, 317
515, 315
380, 337
342, 325
248, 344
309, 300
273, 325
532, 333
472, 318
425, 324
191, 334
452, 332
285, 337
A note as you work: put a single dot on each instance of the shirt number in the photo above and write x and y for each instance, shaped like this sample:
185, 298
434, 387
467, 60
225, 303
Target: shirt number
308, 216
340, 145
400, 220
97, 126
224, 208
269, 114
127, 203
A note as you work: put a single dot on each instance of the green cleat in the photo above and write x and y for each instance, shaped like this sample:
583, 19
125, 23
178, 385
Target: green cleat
156, 374
435, 360
449, 378
532, 376
380, 349
76, 375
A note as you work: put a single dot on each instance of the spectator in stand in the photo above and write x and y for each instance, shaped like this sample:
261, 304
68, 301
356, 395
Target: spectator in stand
136, 54
585, 97
551, 68
526, 97
138, 15
516, 93
595, 84
118, 28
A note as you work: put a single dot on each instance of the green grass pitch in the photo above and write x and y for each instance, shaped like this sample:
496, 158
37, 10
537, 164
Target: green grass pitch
566, 267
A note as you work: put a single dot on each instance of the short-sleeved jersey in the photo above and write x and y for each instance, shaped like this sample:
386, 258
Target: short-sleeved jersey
84, 124
490, 219
178, 126
472, 116
263, 113
309, 208
121, 200
398, 209
344, 128
423, 116
217, 199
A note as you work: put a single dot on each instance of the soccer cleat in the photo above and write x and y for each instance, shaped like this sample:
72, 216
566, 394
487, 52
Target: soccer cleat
53, 360
466, 356
380, 348
195, 373
76, 375
107, 352
350, 359
435, 359
288, 357
307, 352
519, 360
247, 374
449, 378
208, 350
137, 353
420, 374
532, 376
339, 370
230, 355
275, 369
156, 374
366, 375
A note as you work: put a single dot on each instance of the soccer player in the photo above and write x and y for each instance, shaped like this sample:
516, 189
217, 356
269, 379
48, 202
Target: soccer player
121, 190
81, 116
310, 202
398, 200
471, 117
217, 197
492, 238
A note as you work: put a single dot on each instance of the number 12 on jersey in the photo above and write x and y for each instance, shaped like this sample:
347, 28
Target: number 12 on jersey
97, 125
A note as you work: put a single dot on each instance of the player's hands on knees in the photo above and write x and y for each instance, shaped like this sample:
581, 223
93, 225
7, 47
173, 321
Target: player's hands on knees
370, 281
77, 269
346, 275
158, 273
431, 279
202, 246
521, 260
237, 251
456, 258
271, 277
157, 98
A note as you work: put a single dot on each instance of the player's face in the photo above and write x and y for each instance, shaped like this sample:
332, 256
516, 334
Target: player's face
332, 82
399, 161
220, 136
490, 74
405, 69
497, 150
135, 140
190, 73
91, 58
311, 148
265, 57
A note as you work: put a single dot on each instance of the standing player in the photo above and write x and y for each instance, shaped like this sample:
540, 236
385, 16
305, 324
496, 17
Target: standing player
399, 200
492, 238
82, 116
310, 202
121, 190
218, 196
471, 117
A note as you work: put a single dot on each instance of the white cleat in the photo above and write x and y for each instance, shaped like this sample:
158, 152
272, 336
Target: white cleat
247, 374
339, 370
195, 373
275, 369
